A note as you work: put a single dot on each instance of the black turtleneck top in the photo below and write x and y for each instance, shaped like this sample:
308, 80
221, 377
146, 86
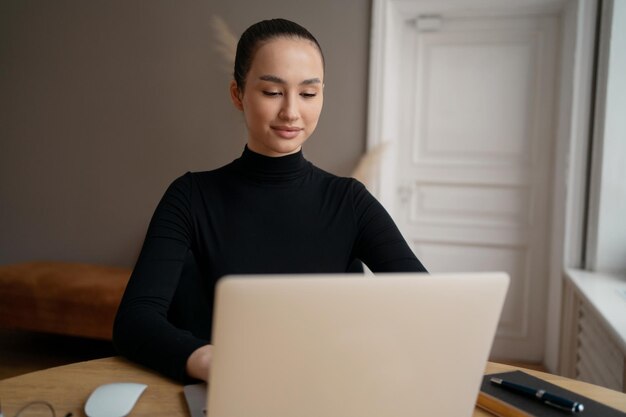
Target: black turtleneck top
255, 215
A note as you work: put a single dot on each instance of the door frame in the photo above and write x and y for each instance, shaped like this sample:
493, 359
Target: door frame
573, 101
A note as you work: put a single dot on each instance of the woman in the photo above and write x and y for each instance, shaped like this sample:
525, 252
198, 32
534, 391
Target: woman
269, 211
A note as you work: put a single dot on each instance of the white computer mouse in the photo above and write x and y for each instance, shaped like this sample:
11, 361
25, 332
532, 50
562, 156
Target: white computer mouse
113, 400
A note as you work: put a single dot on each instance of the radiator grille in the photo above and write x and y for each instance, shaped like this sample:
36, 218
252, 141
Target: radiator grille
598, 360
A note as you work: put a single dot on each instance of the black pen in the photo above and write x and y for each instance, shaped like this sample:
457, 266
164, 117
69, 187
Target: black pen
541, 395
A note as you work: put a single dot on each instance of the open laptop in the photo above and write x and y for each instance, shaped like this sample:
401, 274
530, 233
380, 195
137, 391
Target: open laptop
352, 345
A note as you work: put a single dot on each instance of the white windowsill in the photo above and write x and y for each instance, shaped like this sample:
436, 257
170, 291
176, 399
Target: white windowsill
606, 294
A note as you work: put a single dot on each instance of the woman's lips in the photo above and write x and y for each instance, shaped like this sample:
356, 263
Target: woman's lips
287, 132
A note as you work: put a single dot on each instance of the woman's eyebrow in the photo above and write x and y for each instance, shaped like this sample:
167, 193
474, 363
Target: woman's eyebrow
278, 80
311, 81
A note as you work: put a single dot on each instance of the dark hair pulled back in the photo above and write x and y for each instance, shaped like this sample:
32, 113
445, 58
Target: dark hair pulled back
264, 31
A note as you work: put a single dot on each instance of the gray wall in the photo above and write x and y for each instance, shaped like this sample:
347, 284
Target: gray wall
104, 102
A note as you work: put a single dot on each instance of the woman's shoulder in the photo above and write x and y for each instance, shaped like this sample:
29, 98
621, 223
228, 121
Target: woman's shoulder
344, 182
190, 177
186, 183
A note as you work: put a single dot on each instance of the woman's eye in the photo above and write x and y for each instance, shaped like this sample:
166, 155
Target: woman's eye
308, 95
271, 93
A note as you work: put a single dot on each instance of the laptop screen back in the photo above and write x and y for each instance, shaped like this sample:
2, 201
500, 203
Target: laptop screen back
349, 345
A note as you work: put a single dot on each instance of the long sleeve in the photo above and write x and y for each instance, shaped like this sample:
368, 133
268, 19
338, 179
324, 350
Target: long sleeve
142, 331
379, 243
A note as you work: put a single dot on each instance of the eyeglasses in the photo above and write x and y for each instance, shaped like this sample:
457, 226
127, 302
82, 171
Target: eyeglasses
35, 407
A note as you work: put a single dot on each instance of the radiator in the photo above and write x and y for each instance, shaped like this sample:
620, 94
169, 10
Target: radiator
598, 358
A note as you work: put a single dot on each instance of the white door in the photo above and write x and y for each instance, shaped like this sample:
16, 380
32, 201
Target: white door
474, 156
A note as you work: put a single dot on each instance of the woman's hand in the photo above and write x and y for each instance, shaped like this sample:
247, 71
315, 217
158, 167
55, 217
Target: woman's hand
199, 363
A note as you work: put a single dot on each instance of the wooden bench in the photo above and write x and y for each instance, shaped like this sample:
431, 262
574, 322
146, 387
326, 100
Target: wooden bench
59, 297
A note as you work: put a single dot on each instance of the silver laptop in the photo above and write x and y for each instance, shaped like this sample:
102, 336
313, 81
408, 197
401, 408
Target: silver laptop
350, 345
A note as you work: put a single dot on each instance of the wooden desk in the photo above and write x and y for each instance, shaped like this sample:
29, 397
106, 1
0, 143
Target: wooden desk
67, 388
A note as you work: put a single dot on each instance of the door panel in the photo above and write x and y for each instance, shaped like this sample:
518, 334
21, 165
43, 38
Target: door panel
474, 161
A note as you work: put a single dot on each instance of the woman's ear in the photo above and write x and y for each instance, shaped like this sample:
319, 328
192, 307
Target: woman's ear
235, 95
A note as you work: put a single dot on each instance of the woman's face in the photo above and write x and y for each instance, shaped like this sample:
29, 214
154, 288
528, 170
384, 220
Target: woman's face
283, 96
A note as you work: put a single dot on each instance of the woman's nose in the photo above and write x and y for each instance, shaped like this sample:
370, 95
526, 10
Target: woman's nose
289, 109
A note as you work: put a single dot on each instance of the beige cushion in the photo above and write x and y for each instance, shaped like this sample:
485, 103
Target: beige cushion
58, 297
